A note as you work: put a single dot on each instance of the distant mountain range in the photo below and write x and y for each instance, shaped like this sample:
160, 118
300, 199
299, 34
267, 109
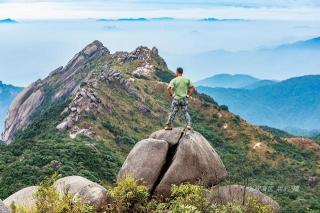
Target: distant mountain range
211, 19
234, 81
308, 44
289, 58
7, 94
217, 19
8, 21
293, 104
138, 19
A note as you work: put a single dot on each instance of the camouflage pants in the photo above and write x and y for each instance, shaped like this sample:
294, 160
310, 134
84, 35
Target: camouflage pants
179, 104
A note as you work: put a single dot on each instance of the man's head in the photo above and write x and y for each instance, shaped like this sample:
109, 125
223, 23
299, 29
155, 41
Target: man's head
179, 71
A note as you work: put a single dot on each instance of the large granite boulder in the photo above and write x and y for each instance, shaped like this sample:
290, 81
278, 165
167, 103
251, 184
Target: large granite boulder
194, 161
240, 195
90, 192
24, 197
3, 208
173, 157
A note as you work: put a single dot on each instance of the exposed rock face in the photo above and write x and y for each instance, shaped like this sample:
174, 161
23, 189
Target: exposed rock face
24, 197
20, 110
175, 157
240, 195
3, 208
83, 188
112, 76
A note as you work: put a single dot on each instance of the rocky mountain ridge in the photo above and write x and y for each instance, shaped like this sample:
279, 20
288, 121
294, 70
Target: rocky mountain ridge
77, 81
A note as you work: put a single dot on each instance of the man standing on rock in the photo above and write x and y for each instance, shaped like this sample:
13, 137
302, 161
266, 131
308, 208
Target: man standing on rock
181, 89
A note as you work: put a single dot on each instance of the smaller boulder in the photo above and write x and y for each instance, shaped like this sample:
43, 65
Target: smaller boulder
240, 195
24, 197
90, 192
3, 208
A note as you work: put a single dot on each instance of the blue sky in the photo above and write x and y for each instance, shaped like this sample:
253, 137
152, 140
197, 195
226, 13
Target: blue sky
249, 9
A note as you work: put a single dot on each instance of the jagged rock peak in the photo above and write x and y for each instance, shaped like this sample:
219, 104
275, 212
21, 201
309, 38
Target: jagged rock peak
143, 52
92, 50
94, 47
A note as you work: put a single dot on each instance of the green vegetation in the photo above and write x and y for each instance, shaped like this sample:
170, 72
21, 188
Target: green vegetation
129, 196
286, 182
40, 150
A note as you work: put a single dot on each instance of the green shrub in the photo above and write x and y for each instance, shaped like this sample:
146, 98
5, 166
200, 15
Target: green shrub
224, 108
253, 206
189, 198
129, 196
229, 208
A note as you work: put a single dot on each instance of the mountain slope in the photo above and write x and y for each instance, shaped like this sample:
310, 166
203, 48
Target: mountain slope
294, 102
7, 94
87, 115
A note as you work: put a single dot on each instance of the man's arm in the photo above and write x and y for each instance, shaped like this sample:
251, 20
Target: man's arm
191, 91
170, 91
191, 88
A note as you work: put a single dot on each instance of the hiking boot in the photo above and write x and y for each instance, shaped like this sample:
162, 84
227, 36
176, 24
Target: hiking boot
168, 127
189, 127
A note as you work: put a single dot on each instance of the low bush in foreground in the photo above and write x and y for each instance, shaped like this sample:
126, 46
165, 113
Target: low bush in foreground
48, 200
129, 196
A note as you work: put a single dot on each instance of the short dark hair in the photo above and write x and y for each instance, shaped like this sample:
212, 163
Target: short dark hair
180, 70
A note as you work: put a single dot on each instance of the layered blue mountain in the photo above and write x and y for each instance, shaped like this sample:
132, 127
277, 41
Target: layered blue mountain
228, 81
311, 44
7, 94
8, 21
234, 81
217, 19
138, 19
292, 58
289, 104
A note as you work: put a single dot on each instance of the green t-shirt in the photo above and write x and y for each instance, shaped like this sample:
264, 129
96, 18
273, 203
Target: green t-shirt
180, 86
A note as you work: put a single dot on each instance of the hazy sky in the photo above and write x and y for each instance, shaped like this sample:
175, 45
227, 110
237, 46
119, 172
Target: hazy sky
248, 9
45, 39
